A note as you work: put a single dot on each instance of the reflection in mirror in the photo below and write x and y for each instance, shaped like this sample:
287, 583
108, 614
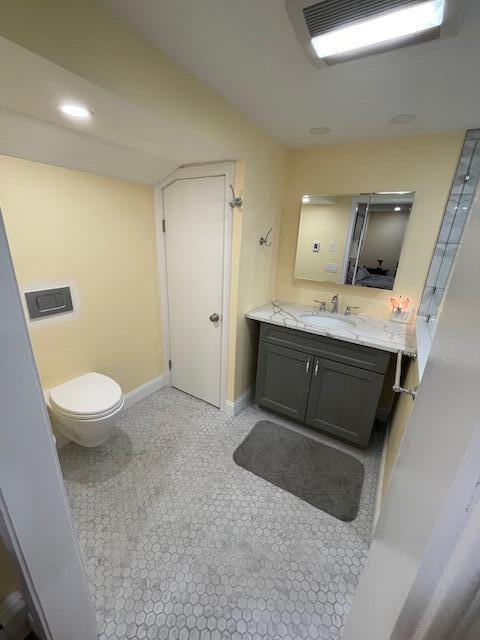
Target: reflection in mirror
352, 239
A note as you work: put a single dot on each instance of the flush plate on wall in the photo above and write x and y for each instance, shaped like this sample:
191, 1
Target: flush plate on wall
48, 302
309, 18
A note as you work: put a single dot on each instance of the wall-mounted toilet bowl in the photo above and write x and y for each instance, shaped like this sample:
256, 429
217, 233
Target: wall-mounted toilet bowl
86, 409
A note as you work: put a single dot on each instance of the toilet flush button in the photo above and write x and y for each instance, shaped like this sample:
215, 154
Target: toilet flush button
48, 302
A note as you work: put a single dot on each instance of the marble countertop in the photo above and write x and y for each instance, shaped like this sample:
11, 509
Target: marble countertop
358, 328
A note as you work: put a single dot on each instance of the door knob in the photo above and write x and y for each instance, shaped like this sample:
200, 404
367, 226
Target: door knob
214, 317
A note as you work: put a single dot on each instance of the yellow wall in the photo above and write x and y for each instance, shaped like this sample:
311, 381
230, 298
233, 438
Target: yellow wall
86, 39
424, 164
8, 581
323, 223
264, 192
97, 233
398, 424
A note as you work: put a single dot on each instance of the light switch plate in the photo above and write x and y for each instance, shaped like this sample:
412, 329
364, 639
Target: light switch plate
331, 247
330, 267
316, 246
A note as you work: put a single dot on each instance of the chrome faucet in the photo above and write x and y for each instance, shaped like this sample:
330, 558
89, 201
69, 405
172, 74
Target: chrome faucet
334, 302
321, 305
348, 310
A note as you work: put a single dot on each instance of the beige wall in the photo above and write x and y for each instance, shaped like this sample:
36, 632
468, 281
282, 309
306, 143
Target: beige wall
264, 192
385, 233
324, 223
87, 40
97, 233
424, 164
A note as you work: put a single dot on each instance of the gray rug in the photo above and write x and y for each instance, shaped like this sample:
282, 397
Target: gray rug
321, 475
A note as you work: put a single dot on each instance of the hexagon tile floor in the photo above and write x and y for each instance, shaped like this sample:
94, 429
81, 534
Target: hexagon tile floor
180, 543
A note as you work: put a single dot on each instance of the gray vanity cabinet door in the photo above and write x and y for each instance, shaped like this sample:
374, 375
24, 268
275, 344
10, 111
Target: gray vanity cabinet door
343, 400
283, 380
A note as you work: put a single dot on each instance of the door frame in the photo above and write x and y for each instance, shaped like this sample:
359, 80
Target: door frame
210, 170
356, 200
35, 518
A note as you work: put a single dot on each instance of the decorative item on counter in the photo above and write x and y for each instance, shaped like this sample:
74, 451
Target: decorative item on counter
236, 201
400, 310
263, 242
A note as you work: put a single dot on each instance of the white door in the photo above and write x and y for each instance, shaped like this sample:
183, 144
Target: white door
194, 211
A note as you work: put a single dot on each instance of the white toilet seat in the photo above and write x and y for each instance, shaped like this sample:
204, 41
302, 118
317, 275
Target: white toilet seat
89, 396
90, 416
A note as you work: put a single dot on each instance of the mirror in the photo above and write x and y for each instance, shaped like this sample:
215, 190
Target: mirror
352, 239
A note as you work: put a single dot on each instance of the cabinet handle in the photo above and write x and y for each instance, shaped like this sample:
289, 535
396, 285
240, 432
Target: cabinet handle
307, 366
315, 372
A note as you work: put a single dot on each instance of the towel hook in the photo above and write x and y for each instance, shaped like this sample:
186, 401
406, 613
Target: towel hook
264, 240
236, 201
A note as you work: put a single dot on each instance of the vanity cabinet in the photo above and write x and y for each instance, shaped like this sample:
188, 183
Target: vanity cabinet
285, 377
327, 384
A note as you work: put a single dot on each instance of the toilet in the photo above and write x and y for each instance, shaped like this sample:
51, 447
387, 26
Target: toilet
86, 409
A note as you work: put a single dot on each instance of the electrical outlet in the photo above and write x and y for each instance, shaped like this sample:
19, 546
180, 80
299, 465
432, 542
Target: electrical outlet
330, 267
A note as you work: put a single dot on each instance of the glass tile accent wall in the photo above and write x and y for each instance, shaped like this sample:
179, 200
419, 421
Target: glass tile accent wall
454, 218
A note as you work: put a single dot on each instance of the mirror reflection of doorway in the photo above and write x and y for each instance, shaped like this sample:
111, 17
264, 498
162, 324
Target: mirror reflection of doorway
379, 229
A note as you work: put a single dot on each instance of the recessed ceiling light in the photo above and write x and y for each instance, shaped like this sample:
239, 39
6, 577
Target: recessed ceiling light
306, 199
380, 29
319, 131
398, 208
78, 111
403, 118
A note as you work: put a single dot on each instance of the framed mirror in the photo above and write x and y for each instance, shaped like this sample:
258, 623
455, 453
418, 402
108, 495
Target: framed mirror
352, 239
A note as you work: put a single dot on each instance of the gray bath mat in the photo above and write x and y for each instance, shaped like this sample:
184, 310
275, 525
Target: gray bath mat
321, 475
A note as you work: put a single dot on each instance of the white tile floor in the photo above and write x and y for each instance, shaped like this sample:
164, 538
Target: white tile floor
180, 543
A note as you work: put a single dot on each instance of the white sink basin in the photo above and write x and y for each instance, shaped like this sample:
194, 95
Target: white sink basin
327, 322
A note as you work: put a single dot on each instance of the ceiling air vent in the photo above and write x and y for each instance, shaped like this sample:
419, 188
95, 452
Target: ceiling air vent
334, 31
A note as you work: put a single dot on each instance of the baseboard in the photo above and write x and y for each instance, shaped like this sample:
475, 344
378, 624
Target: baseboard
140, 393
131, 398
380, 482
233, 408
13, 617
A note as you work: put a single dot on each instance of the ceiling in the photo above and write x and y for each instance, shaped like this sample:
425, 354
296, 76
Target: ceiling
122, 140
247, 52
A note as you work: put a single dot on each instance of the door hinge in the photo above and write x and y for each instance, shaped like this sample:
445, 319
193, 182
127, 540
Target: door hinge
170, 364
163, 225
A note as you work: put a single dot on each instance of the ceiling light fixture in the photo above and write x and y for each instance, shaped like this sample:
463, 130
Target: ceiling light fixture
374, 31
78, 111
398, 209
306, 199
403, 118
319, 131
